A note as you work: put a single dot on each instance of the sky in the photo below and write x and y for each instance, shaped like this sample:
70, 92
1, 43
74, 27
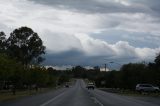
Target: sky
89, 32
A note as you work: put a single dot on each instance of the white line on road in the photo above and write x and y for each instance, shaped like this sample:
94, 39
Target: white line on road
46, 103
97, 101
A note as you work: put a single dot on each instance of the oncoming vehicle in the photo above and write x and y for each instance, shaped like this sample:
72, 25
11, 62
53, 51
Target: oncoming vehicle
67, 85
147, 88
91, 86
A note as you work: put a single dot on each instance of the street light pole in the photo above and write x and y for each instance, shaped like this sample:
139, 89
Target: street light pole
116, 63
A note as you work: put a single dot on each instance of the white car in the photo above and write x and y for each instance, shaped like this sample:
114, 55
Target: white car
90, 86
146, 88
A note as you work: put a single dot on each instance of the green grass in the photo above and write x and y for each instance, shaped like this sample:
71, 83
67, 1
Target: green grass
134, 93
130, 92
7, 95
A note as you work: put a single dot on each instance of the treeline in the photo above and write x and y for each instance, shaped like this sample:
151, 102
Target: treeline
14, 74
127, 78
22, 52
20, 57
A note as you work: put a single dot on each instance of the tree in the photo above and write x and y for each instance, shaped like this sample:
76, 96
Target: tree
97, 68
2, 42
132, 74
25, 46
10, 71
157, 60
79, 72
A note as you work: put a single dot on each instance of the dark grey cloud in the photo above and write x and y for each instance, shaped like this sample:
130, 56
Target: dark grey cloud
74, 57
67, 28
71, 57
93, 6
152, 4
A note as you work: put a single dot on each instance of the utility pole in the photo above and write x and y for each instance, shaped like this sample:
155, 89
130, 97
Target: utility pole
105, 67
116, 63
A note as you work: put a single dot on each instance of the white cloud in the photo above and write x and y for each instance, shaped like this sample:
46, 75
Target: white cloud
138, 22
64, 30
60, 42
21, 12
123, 2
68, 67
94, 47
56, 27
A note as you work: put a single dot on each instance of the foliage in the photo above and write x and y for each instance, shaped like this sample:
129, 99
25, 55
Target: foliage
25, 46
2, 42
9, 69
15, 74
127, 78
157, 60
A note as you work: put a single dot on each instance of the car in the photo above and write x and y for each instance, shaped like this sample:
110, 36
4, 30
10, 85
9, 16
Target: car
147, 88
90, 86
67, 86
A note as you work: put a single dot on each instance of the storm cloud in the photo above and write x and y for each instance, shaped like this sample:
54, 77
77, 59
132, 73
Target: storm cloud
88, 32
97, 6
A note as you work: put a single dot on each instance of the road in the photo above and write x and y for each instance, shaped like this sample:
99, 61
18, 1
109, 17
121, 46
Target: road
78, 95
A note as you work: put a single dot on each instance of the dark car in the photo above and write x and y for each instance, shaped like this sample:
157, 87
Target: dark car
67, 86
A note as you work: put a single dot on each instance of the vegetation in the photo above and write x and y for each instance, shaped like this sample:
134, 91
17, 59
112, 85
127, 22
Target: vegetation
22, 53
2, 42
25, 46
127, 78
20, 58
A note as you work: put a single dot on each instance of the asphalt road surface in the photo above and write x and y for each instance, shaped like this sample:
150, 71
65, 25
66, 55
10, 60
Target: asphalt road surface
78, 95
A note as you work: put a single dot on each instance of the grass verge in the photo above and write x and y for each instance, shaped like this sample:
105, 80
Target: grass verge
130, 92
7, 95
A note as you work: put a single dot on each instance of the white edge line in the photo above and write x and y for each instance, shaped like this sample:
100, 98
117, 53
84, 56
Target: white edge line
97, 101
51, 100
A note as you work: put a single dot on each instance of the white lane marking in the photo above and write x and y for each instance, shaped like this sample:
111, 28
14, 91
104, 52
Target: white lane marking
51, 100
97, 101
